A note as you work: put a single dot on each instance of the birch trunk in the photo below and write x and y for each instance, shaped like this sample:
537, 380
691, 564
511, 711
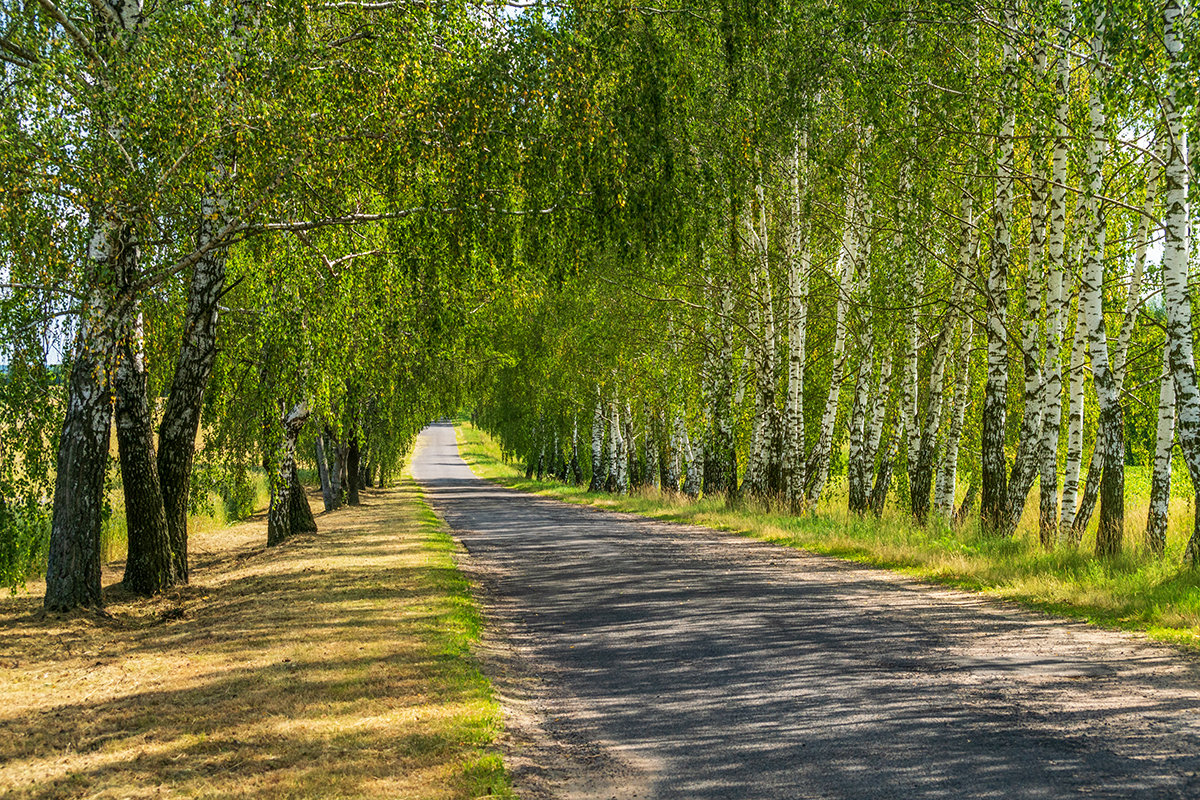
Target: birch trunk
198, 347
693, 464
858, 482
1078, 375
1026, 461
650, 451
720, 456
148, 566
1160, 481
629, 449
1175, 264
281, 523
947, 470
1056, 295
598, 467
818, 461
575, 468
616, 444
799, 265
947, 473
1112, 501
910, 413
330, 468
1133, 302
323, 473
883, 476
910, 394
921, 479
994, 491
878, 414
763, 453
353, 457
559, 462
673, 465
301, 512
540, 462
73, 567
341, 452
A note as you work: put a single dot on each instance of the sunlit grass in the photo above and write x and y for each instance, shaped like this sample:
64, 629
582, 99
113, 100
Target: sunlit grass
1134, 591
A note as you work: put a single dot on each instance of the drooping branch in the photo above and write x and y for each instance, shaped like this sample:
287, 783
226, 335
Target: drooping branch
77, 35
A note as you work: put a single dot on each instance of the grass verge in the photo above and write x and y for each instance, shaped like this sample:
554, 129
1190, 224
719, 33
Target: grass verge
337, 665
1132, 592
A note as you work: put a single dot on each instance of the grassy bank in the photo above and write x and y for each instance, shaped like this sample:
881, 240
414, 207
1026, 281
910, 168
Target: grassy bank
337, 665
1133, 592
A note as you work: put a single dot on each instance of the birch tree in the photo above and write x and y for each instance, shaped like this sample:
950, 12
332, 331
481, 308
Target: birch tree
993, 500
1056, 288
799, 264
1160, 481
1175, 260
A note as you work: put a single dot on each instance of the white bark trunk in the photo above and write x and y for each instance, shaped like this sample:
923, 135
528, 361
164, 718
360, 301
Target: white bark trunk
1160, 481
818, 463
910, 413
1026, 462
799, 264
993, 500
1056, 294
1133, 299
878, 413
858, 474
766, 414
598, 470
1074, 456
1112, 516
693, 463
947, 473
1175, 262
922, 473
673, 466
617, 477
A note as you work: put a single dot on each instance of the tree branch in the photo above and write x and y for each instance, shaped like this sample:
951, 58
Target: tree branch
73, 32
346, 219
18, 51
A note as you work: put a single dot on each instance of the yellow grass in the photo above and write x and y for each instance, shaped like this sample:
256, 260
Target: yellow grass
337, 665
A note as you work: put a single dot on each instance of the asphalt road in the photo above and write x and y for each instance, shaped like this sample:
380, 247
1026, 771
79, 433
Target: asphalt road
694, 664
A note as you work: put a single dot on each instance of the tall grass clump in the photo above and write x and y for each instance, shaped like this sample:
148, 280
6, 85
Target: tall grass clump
24, 541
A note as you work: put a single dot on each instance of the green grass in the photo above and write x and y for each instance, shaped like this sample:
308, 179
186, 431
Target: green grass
454, 627
1132, 592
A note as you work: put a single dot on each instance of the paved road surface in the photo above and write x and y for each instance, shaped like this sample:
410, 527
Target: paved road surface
695, 664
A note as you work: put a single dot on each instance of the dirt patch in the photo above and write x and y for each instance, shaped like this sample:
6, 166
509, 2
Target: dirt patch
332, 666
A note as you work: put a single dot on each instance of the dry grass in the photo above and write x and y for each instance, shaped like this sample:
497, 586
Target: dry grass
336, 665
1135, 591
